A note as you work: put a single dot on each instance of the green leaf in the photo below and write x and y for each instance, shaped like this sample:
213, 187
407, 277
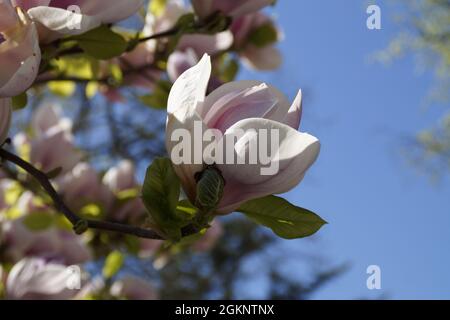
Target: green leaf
38, 221
157, 7
62, 88
264, 35
160, 193
102, 43
113, 263
20, 101
230, 70
285, 219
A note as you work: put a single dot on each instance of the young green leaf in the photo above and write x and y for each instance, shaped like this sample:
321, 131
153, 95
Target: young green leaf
102, 43
20, 101
113, 264
160, 193
285, 220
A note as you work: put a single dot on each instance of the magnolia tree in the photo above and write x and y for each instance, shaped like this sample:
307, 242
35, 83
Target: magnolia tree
73, 213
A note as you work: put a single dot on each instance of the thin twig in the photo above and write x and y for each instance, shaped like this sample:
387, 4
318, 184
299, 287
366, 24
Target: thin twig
59, 204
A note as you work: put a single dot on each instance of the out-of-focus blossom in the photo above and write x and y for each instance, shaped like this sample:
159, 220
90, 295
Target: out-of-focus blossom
212, 235
57, 18
52, 147
233, 107
19, 50
5, 118
82, 186
148, 247
35, 278
120, 179
133, 288
255, 36
233, 8
51, 243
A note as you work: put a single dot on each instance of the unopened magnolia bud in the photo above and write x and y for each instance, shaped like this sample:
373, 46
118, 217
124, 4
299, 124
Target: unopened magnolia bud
210, 185
81, 226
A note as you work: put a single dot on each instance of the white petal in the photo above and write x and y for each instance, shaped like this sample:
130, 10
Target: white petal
56, 22
190, 88
278, 113
297, 152
267, 58
294, 114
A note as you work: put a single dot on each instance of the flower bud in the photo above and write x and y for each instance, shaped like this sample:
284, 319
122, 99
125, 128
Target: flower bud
209, 189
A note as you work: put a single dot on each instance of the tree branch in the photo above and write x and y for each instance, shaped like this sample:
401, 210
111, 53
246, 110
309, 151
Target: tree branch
79, 223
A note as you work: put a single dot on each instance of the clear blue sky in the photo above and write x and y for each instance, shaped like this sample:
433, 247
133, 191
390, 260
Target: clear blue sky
380, 211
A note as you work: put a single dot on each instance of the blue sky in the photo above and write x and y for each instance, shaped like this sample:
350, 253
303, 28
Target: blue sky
380, 210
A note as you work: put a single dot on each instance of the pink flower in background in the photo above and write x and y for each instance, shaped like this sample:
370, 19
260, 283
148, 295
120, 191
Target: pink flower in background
19, 50
82, 186
255, 36
52, 146
38, 279
5, 118
241, 105
233, 8
119, 179
51, 243
133, 288
57, 18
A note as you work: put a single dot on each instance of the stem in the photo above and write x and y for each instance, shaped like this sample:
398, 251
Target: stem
76, 220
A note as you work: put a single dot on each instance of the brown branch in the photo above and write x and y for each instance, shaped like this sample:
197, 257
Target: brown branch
79, 223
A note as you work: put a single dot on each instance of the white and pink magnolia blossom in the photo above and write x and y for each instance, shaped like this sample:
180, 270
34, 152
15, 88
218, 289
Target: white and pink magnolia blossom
82, 186
239, 106
5, 118
233, 8
58, 18
38, 279
256, 56
122, 178
133, 288
19, 50
52, 243
52, 146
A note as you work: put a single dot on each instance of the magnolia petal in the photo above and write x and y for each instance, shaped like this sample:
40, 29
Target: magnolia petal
190, 88
249, 6
294, 114
5, 118
179, 62
185, 119
34, 278
107, 11
278, 112
45, 117
56, 22
27, 4
266, 58
19, 60
253, 102
204, 43
297, 152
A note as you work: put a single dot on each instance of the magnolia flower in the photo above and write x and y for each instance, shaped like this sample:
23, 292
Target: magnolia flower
247, 106
5, 118
82, 186
121, 178
34, 278
52, 147
254, 38
52, 243
133, 288
19, 50
233, 8
57, 18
